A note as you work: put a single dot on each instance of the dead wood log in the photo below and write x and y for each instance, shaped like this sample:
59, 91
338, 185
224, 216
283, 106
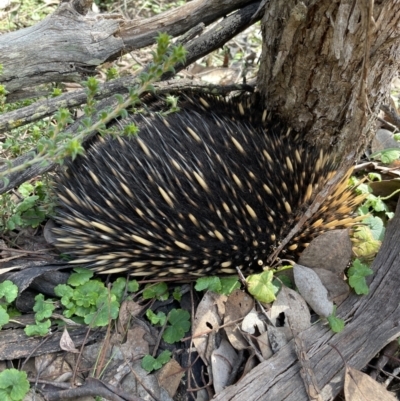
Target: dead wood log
67, 45
372, 322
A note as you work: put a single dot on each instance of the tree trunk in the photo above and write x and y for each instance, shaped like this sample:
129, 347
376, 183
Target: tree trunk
320, 72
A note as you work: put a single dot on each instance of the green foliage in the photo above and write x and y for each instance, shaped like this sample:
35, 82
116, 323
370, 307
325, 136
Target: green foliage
178, 325
22, 139
27, 13
14, 385
149, 363
220, 285
229, 284
374, 204
376, 227
133, 286
357, 273
29, 209
177, 294
172, 102
374, 176
3, 97
107, 308
38, 329
386, 156
158, 291
44, 309
4, 317
111, 73
8, 291
80, 277
119, 288
364, 244
336, 324
130, 130
84, 299
89, 299
208, 283
367, 237
56, 92
283, 279
261, 286
160, 318
8, 294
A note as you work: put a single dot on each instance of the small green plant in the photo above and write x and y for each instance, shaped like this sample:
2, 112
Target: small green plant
159, 318
111, 73
220, 285
176, 324
386, 156
8, 294
44, 309
177, 294
28, 209
149, 363
3, 97
261, 286
56, 92
357, 274
335, 323
85, 300
14, 385
28, 13
158, 291
89, 300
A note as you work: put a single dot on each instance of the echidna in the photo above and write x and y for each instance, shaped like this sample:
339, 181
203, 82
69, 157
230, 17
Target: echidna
198, 192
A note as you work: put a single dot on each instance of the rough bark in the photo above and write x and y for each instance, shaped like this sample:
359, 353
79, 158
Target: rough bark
321, 74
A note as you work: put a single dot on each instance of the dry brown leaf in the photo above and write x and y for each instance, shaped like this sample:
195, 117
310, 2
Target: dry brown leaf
127, 310
331, 251
169, 376
383, 139
66, 342
293, 305
338, 289
137, 344
252, 321
360, 387
385, 187
207, 318
313, 291
263, 344
223, 360
238, 305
